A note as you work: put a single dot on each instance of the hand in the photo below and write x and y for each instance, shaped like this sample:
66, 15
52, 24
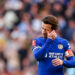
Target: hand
52, 35
57, 62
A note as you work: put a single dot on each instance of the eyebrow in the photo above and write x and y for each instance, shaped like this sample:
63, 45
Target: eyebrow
45, 28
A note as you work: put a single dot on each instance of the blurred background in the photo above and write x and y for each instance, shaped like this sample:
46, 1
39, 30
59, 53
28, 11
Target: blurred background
20, 22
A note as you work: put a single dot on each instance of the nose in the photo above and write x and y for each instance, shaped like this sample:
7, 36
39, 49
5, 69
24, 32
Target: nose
44, 30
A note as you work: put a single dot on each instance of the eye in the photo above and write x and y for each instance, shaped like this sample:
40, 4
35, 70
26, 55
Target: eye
43, 28
47, 30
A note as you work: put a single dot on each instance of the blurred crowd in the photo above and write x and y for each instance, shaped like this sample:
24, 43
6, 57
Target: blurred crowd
20, 22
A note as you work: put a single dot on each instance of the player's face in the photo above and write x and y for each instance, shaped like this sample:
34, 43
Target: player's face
46, 28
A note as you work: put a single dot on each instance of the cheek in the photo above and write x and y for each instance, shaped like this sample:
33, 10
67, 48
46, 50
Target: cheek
49, 31
44, 31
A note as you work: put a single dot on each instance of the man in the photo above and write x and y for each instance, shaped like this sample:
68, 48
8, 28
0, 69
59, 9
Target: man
49, 50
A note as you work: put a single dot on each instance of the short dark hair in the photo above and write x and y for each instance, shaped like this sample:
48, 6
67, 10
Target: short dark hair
50, 19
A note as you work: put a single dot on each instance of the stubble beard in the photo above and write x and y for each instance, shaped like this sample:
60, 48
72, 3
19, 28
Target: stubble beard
45, 36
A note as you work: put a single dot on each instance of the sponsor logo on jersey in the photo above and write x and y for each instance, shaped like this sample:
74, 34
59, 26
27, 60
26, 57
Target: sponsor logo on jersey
54, 55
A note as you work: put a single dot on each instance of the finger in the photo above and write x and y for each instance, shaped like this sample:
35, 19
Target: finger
53, 32
55, 59
54, 35
49, 33
56, 64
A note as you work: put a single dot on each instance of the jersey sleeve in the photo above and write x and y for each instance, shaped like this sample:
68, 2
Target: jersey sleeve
70, 62
69, 55
38, 50
68, 51
35, 45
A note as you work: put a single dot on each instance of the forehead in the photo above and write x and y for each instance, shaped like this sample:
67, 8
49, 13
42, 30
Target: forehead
47, 26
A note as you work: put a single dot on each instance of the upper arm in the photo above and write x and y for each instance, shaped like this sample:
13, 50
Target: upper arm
35, 44
36, 49
68, 52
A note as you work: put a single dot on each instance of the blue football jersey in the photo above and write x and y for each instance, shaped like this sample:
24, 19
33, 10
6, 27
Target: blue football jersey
45, 50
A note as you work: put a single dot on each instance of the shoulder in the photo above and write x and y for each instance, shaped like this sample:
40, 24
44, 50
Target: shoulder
38, 38
65, 44
37, 41
62, 40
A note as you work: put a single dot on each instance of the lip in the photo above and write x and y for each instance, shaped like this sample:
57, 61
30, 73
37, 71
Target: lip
44, 33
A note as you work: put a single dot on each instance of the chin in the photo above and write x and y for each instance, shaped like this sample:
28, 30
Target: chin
44, 36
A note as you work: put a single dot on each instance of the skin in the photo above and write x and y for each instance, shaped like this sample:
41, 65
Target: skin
47, 32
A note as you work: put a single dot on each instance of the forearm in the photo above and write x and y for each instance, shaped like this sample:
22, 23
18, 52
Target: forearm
39, 53
70, 62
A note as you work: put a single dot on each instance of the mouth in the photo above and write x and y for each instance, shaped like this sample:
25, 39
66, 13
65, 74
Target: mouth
45, 35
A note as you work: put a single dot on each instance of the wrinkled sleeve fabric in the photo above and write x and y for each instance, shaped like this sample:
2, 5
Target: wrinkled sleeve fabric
70, 62
38, 50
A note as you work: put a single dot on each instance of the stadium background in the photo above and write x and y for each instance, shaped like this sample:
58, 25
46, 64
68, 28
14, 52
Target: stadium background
20, 22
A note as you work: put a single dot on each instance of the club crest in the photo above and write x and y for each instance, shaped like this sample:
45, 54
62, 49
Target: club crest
60, 46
